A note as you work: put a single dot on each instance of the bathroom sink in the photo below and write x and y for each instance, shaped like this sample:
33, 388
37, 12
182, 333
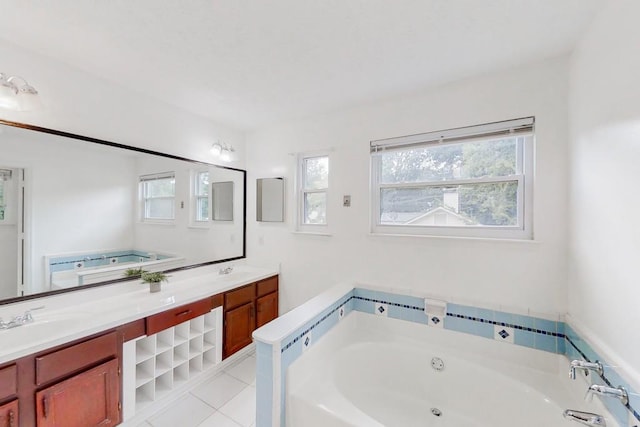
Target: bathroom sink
50, 318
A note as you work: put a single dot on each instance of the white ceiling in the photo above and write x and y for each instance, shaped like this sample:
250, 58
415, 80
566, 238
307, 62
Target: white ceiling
249, 63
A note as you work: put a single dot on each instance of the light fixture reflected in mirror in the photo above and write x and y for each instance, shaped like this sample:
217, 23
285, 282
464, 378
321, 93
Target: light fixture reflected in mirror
16, 94
225, 152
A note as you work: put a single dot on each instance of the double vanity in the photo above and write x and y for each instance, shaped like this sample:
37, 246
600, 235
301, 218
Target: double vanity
97, 356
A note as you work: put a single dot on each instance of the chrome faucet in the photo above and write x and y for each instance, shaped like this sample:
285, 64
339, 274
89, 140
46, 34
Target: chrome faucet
19, 320
227, 270
604, 390
585, 366
586, 418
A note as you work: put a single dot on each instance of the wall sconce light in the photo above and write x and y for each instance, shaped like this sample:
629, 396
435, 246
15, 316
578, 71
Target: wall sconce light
223, 151
17, 94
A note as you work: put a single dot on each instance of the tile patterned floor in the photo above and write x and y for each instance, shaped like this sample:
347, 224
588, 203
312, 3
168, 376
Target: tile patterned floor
228, 400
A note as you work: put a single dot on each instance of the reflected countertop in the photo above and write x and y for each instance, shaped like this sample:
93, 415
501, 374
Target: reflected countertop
71, 316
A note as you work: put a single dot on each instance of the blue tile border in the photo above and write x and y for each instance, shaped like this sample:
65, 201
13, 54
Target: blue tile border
541, 334
508, 325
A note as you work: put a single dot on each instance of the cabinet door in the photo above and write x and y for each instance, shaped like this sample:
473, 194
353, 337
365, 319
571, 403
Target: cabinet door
267, 307
9, 414
239, 323
89, 399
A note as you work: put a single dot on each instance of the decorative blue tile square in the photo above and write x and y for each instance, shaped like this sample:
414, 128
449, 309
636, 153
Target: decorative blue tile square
561, 345
381, 309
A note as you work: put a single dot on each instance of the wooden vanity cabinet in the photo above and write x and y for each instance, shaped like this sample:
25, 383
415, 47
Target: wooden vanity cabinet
74, 384
246, 309
9, 414
267, 309
79, 385
87, 399
9, 407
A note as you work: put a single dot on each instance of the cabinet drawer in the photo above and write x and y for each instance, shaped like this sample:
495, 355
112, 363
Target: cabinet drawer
76, 357
239, 296
8, 381
166, 319
267, 286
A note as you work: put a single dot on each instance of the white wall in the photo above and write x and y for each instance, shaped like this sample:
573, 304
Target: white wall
493, 273
80, 103
79, 196
604, 281
196, 243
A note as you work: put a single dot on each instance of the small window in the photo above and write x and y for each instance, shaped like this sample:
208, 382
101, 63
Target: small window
313, 187
158, 193
201, 196
474, 181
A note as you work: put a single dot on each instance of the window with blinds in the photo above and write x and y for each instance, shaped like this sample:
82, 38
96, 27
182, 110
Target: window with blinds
474, 181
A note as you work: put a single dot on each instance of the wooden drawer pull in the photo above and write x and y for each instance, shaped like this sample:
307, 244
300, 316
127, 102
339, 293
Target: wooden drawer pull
184, 313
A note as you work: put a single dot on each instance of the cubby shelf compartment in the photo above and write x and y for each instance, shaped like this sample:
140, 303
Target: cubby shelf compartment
175, 355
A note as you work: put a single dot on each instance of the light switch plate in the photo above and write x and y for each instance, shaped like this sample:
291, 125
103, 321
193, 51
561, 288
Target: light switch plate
346, 201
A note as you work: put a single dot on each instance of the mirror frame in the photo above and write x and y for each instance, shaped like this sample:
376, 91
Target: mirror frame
139, 150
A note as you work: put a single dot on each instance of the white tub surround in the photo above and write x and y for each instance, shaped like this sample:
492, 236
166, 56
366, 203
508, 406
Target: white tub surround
284, 340
75, 315
370, 371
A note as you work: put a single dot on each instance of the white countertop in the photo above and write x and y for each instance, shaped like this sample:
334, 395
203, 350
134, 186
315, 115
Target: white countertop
74, 315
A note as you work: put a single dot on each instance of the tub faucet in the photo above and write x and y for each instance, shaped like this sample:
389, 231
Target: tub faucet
586, 418
585, 366
603, 390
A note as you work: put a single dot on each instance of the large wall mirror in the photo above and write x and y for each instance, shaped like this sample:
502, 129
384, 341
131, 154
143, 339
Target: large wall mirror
77, 211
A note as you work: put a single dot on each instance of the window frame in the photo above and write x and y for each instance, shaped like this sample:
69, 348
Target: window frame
302, 191
143, 180
523, 129
196, 197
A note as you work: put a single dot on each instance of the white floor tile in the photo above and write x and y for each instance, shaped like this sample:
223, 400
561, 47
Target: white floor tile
219, 420
219, 390
186, 411
242, 408
245, 371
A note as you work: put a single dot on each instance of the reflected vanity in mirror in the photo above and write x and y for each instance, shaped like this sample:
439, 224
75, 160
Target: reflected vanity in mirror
78, 211
270, 199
